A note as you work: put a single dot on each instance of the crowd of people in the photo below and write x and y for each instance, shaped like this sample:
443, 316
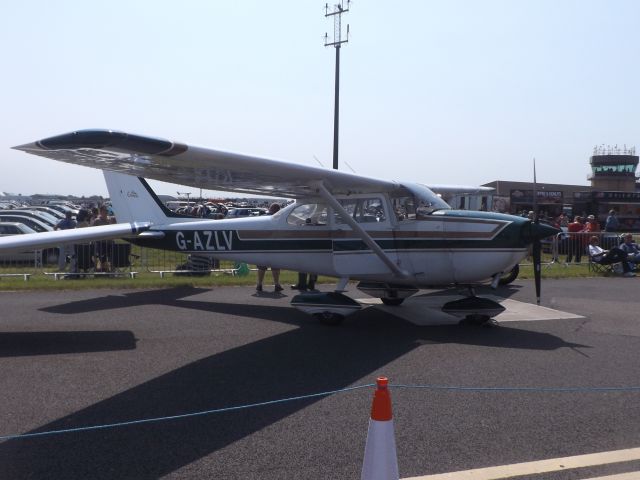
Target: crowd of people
84, 218
584, 234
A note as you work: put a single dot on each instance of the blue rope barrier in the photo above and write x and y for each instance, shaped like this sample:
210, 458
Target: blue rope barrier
521, 389
184, 415
322, 394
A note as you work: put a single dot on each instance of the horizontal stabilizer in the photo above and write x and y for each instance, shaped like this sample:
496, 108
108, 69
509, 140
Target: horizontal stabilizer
30, 241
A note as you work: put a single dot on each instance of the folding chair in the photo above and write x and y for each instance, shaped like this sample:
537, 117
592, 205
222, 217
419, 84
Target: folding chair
603, 267
597, 267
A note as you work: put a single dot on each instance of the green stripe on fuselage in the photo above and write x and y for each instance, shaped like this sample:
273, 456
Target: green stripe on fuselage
212, 241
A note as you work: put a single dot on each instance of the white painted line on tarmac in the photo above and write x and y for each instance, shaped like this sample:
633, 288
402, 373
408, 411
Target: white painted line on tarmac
543, 466
426, 310
620, 476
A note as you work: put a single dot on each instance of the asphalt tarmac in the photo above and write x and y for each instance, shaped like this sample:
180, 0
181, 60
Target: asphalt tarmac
81, 358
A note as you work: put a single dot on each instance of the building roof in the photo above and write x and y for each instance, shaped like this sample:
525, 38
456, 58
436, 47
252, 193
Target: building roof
503, 187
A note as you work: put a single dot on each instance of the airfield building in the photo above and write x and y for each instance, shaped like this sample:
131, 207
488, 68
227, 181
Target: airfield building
614, 186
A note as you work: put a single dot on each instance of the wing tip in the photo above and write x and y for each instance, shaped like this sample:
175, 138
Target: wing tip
106, 139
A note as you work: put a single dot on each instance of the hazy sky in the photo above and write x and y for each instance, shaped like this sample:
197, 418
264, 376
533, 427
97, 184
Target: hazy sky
446, 91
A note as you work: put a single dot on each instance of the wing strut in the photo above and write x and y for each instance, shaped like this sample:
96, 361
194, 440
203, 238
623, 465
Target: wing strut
366, 238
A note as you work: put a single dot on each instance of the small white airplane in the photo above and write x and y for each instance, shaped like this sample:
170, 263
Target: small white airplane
394, 237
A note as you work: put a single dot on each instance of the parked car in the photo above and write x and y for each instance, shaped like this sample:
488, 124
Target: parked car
245, 212
31, 222
16, 228
63, 208
51, 211
42, 216
49, 255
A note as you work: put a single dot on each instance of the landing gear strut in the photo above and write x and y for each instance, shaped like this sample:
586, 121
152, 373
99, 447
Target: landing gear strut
390, 294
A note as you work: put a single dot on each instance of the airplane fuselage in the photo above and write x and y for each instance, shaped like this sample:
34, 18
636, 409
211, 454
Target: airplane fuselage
444, 248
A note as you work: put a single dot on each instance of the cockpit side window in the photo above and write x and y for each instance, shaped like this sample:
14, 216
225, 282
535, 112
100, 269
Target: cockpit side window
309, 214
363, 210
404, 207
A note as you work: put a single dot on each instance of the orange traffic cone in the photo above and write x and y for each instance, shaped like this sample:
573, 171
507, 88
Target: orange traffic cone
380, 459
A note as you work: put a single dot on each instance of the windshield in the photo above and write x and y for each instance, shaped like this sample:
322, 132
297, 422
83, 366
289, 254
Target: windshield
414, 201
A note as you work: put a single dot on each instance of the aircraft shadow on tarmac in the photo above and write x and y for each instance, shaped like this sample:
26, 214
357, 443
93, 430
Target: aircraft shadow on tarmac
323, 359
131, 299
16, 344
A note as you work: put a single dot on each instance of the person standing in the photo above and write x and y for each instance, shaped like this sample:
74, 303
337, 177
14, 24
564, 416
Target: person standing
574, 247
304, 283
262, 269
82, 221
592, 225
66, 223
612, 224
103, 248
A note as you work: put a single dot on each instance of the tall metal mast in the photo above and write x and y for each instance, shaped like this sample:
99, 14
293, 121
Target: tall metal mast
338, 10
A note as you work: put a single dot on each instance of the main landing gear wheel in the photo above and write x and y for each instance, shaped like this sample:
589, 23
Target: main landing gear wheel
510, 276
392, 301
329, 318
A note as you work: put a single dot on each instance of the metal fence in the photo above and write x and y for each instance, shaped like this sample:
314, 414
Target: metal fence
112, 259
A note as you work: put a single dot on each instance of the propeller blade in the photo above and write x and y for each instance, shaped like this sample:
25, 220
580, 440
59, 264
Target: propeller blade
537, 274
537, 245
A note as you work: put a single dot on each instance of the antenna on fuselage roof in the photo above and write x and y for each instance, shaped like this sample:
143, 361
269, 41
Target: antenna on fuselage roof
350, 167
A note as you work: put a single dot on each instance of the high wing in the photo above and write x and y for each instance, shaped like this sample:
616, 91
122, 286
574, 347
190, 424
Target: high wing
459, 189
198, 167
20, 243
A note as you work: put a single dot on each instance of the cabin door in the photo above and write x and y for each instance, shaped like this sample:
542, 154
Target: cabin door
351, 255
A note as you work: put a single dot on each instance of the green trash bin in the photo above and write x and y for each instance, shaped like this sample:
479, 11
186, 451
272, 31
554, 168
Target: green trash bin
241, 269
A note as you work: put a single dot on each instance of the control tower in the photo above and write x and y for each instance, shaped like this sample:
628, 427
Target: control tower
613, 168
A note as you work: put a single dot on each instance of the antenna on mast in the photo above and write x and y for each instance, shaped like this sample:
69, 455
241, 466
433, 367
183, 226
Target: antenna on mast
336, 13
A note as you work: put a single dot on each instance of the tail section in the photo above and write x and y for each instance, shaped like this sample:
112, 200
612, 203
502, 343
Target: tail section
134, 201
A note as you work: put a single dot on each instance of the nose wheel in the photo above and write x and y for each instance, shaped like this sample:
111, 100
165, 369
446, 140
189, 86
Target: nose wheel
392, 302
329, 318
478, 320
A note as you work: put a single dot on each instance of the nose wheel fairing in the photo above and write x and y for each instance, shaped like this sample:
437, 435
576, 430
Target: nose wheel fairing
473, 310
329, 307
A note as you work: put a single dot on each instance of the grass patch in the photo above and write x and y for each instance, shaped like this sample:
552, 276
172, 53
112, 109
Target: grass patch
144, 279
558, 270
